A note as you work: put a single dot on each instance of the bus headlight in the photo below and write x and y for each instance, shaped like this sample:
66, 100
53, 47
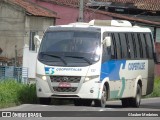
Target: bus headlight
43, 77
88, 78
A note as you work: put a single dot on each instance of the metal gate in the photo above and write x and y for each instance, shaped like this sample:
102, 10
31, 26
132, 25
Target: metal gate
20, 74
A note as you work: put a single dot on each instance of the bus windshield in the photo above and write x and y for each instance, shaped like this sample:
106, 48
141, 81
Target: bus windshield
70, 46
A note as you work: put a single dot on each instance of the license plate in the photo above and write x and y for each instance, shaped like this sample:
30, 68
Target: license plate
64, 84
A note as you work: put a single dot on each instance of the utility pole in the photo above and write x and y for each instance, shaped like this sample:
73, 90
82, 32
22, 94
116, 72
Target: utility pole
81, 5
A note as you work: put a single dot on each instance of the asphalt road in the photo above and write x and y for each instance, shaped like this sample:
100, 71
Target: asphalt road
112, 108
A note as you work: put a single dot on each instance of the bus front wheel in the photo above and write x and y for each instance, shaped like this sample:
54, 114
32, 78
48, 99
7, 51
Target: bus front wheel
102, 101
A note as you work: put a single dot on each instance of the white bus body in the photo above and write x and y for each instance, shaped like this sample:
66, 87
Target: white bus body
124, 69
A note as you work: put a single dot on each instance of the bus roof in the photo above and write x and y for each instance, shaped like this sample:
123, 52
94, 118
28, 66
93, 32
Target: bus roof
105, 25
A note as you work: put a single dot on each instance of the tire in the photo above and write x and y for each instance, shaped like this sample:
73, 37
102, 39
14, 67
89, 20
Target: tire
133, 102
45, 101
137, 100
102, 101
78, 102
126, 102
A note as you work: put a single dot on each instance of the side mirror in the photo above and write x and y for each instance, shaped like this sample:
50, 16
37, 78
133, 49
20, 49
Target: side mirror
107, 41
37, 40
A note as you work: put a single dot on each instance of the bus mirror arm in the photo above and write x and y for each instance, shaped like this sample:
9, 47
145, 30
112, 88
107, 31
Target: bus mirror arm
156, 58
37, 40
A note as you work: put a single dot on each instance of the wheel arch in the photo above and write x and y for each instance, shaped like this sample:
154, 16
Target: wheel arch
106, 83
137, 81
140, 83
107, 88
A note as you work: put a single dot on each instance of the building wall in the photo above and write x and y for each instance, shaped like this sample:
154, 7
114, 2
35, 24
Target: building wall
37, 24
152, 18
15, 28
158, 35
11, 29
157, 69
70, 14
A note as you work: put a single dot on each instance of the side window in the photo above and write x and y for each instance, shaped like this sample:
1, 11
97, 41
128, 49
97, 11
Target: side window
113, 47
118, 46
31, 41
131, 49
137, 46
149, 43
140, 45
124, 46
144, 47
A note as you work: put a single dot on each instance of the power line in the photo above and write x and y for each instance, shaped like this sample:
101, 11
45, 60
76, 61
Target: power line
23, 30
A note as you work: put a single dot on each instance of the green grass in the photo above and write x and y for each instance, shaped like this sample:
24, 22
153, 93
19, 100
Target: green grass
13, 93
156, 90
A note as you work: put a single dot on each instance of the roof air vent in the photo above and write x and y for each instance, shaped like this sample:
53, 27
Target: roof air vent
117, 23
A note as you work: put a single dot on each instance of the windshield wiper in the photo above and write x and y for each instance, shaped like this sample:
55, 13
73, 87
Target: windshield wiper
56, 56
87, 60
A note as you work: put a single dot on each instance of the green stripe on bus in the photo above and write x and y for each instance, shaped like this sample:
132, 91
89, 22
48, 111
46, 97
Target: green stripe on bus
123, 87
114, 94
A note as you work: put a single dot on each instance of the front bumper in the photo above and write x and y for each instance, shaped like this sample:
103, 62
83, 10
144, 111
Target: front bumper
87, 90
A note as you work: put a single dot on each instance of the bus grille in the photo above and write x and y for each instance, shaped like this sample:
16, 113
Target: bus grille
64, 89
70, 79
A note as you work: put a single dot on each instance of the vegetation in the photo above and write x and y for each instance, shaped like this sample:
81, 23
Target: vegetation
156, 90
13, 93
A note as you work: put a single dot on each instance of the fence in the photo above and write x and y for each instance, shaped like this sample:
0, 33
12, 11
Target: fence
20, 74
